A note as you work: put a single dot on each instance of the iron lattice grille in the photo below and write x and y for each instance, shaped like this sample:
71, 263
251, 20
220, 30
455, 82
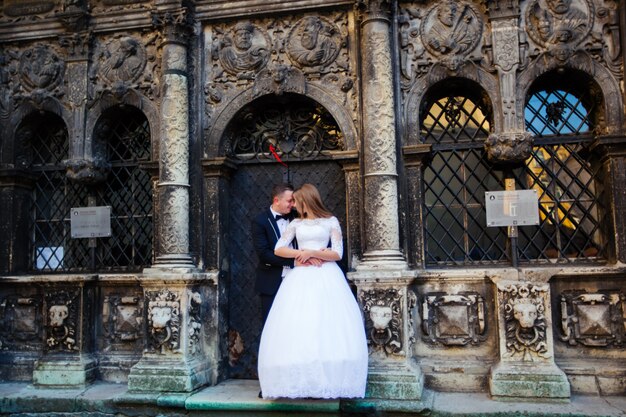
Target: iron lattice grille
128, 191
52, 249
571, 212
569, 186
290, 127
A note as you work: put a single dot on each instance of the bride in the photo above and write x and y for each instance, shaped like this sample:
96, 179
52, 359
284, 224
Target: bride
313, 343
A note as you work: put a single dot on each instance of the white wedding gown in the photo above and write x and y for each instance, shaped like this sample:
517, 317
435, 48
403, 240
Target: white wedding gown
313, 343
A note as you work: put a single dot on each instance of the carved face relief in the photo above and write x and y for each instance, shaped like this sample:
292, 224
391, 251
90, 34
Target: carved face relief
451, 28
244, 51
57, 315
313, 42
122, 60
381, 316
525, 314
161, 316
40, 68
558, 22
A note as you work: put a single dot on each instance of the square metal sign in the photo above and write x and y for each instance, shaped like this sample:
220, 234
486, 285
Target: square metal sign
512, 208
90, 222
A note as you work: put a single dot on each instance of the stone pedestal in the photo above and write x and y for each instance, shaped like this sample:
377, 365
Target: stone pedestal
65, 372
388, 306
177, 357
526, 369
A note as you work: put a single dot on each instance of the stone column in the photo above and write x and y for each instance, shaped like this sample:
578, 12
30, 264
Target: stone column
526, 368
512, 143
382, 237
382, 278
414, 168
172, 248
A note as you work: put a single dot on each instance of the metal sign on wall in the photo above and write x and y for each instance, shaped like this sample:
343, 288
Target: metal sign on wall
512, 208
90, 222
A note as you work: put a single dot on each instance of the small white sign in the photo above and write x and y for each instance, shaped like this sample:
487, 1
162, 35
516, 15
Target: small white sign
91, 222
512, 208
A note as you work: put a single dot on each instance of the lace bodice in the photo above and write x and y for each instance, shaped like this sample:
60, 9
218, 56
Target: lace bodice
314, 234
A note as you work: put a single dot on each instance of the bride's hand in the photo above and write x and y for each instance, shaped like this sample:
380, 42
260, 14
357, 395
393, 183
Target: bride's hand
304, 256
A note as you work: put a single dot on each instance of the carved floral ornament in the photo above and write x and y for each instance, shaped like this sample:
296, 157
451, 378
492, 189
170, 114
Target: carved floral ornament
525, 321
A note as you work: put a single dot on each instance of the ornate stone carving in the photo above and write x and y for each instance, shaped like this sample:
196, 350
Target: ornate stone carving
524, 321
62, 320
243, 51
313, 42
40, 69
16, 8
374, 9
194, 322
453, 320
279, 80
164, 320
593, 319
175, 215
122, 60
559, 25
384, 319
121, 2
451, 28
509, 147
87, 171
20, 322
122, 318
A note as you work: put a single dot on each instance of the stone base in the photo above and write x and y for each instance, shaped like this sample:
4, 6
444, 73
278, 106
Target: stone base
65, 372
167, 375
395, 382
519, 382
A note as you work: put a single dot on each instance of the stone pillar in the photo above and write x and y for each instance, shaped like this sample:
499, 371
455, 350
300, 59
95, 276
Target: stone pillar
353, 228
382, 234
383, 277
68, 316
526, 369
511, 143
172, 248
414, 168
178, 313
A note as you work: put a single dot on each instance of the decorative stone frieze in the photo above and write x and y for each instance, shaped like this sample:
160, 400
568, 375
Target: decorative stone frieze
453, 319
164, 318
18, 8
62, 320
122, 320
595, 319
384, 320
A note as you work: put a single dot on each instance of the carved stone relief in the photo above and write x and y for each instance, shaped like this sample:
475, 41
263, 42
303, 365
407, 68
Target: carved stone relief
559, 22
279, 55
194, 324
384, 320
122, 63
40, 69
244, 50
122, 319
163, 320
593, 319
524, 321
17, 8
453, 320
313, 42
62, 320
20, 322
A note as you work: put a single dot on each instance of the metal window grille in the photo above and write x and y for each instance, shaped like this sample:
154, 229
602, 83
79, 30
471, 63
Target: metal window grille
128, 190
569, 185
290, 127
52, 248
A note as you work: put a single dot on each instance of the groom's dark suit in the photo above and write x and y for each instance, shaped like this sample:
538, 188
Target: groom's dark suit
265, 234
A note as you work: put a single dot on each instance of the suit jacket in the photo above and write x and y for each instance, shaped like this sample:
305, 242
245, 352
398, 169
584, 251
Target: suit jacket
265, 234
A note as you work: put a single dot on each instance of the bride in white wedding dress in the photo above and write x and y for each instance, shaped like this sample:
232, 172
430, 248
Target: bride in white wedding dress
313, 343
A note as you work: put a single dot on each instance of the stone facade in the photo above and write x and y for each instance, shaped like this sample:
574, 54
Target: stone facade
162, 108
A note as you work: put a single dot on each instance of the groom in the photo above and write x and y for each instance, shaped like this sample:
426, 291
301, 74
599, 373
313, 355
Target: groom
267, 227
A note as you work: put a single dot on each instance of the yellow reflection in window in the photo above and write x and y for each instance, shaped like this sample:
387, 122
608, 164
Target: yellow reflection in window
454, 114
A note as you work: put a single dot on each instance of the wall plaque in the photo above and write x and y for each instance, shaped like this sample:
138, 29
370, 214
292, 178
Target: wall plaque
90, 222
512, 208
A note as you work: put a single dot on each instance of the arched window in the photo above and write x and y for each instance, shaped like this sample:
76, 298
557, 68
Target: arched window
43, 144
562, 113
123, 138
456, 119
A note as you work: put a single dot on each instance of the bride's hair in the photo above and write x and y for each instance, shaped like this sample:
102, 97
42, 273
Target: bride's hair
311, 202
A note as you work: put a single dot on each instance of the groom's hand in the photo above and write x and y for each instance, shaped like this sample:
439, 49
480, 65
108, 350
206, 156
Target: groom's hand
310, 262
